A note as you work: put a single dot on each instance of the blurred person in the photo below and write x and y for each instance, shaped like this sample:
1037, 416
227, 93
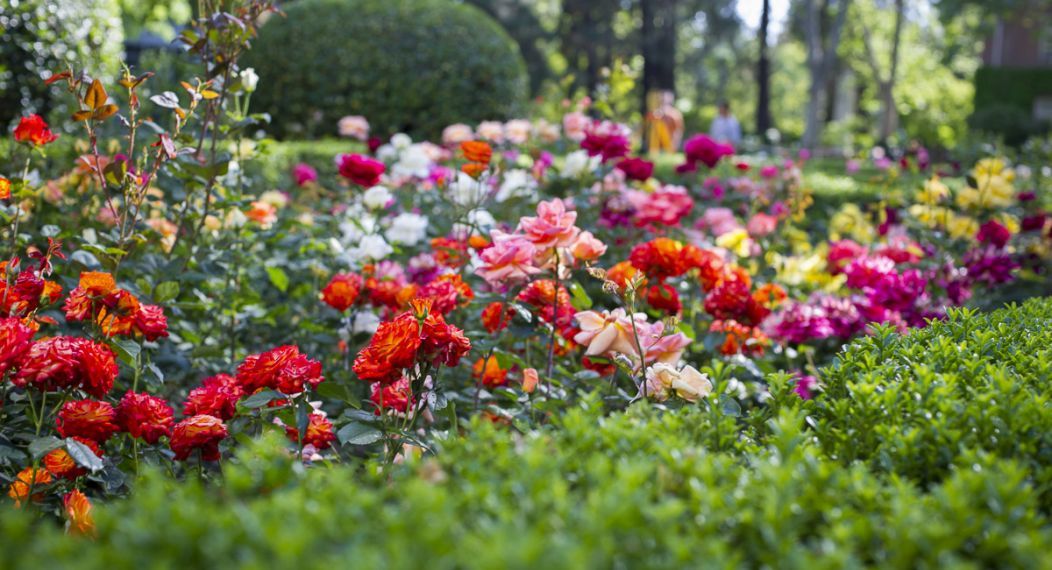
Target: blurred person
725, 127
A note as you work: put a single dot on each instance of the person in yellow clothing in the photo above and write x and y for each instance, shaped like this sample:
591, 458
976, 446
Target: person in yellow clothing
664, 123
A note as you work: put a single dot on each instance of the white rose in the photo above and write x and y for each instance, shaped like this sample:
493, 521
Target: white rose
413, 161
249, 79
372, 247
407, 228
465, 190
578, 162
377, 197
516, 183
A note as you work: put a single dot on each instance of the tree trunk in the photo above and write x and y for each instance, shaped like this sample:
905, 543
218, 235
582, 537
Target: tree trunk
821, 57
889, 114
763, 75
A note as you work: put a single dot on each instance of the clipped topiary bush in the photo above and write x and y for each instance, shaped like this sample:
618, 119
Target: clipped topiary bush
40, 36
411, 66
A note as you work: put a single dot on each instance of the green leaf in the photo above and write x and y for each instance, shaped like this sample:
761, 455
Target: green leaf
260, 399
127, 350
729, 406
165, 291
40, 446
279, 278
580, 299
358, 434
83, 455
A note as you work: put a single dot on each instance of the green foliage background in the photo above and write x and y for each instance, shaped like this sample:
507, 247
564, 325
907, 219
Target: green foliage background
39, 36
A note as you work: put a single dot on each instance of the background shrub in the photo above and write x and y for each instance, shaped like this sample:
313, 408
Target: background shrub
411, 66
40, 36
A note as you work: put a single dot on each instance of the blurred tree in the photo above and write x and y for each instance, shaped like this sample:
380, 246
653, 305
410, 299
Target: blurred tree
885, 81
763, 74
587, 39
524, 25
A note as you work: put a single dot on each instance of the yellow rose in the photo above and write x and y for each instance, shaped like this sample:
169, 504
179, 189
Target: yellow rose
736, 241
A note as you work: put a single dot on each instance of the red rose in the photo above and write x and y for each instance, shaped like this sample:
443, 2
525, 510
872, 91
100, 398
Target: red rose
34, 130
361, 170
993, 232
283, 368
217, 396
396, 396
145, 417
636, 169
319, 432
200, 432
64, 362
89, 419
15, 339
392, 349
495, 317
151, 322
664, 298
342, 291
701, 148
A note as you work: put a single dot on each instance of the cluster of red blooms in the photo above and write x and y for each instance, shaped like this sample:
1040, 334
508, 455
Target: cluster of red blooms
420, 335
396, 396
540, 295
27, 293
116, 311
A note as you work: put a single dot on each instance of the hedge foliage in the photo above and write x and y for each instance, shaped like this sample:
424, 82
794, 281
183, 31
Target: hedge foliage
925, 451
1004, 101
41, 36
411, 66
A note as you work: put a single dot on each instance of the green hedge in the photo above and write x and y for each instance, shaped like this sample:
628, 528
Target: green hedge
1004, 101
411, 66
39, 36
925, 451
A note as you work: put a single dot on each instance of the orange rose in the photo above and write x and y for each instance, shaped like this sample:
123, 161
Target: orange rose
477, 151
28, 480
489, 372
5, 188
78, 512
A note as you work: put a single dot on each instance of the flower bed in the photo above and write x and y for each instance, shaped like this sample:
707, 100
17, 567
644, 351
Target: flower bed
793, 484
164, 309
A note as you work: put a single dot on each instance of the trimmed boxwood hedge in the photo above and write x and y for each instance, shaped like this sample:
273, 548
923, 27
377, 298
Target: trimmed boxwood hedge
925, 451
411, 66
1004, 101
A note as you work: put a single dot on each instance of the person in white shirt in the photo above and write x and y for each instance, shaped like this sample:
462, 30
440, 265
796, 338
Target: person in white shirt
725, 127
